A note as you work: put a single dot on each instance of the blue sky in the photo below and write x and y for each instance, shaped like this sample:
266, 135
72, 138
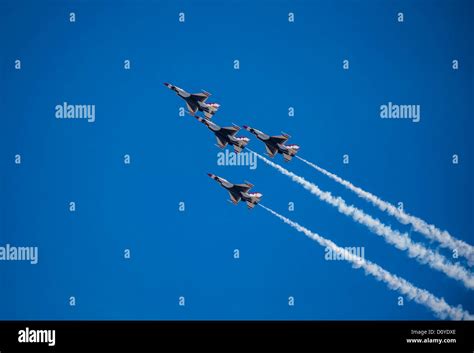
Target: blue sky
190, 253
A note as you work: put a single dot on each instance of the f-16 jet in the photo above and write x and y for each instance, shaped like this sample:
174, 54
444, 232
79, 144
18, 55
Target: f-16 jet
275, 144
239, 192
226, 135
196, 101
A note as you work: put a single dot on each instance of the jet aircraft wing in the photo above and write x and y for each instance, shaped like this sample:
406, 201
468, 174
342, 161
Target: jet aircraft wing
221, 143
271, 150
243, 187
230, 130
191, 110
279, 138
201, 97
234, 199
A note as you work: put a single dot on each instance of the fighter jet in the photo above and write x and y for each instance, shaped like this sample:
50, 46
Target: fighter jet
226, 135
275, 144
239, 192
196, 101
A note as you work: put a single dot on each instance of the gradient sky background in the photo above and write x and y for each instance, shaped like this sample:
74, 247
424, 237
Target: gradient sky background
191, 253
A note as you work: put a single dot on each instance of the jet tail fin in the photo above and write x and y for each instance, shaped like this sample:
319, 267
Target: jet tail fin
287, 157
250, 205
237, 149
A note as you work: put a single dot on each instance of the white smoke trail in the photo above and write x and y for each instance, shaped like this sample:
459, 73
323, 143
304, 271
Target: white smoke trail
430, 231
400, 241
421, 296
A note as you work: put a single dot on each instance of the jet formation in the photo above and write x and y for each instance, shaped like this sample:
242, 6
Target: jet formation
227, 136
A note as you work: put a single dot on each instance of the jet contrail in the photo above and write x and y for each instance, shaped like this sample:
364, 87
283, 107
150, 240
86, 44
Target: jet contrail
421, 296
400, 241
430, 231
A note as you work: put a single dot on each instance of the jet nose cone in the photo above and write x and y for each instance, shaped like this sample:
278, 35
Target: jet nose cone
245, 127
167, 84
210, 175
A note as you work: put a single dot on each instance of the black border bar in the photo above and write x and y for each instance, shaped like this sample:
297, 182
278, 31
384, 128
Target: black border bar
241, 336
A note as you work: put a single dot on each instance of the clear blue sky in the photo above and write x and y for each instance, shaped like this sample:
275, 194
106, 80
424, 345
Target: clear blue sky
190, 253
